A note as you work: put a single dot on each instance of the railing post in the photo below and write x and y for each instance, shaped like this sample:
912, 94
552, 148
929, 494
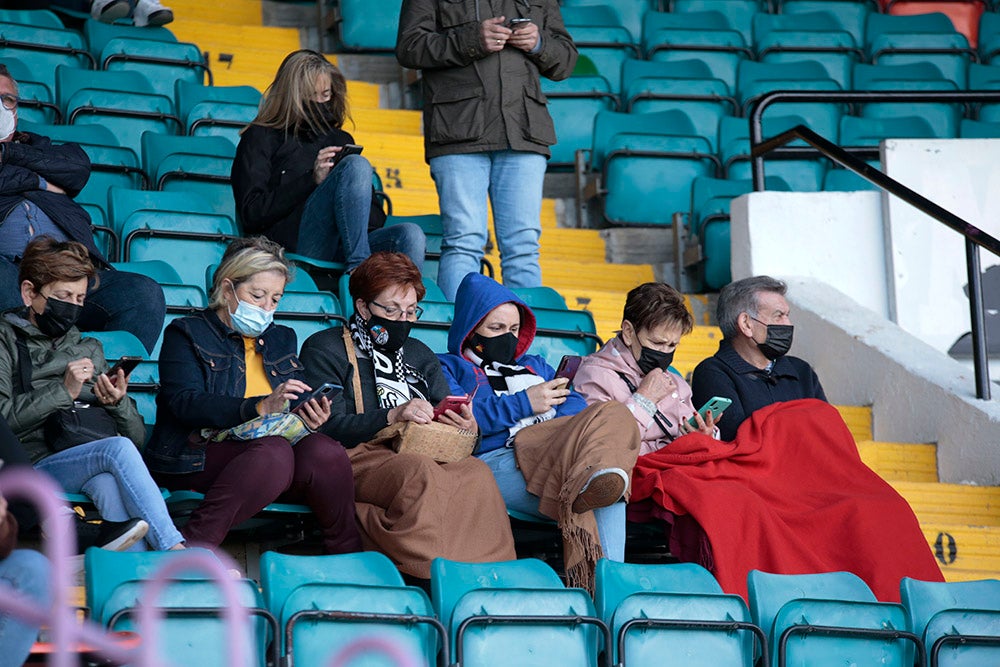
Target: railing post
980, 357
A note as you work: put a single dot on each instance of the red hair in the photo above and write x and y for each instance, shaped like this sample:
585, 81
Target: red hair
383, 270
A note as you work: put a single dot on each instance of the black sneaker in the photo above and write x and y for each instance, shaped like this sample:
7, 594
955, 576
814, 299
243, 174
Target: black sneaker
111, 535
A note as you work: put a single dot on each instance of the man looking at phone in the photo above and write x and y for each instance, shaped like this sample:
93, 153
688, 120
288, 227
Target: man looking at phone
751, 366
486, 126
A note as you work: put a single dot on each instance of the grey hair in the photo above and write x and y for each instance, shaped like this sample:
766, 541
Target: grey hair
741, 297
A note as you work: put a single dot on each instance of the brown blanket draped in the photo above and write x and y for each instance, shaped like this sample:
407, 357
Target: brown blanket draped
413, 509
557, 458
789, 495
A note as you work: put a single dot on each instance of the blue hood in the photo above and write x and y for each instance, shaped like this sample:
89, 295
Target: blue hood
476, 297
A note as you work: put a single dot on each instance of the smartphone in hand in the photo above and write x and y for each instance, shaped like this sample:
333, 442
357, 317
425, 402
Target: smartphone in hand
568, 367
324, 389
345, 150
126, 364
716, 404
516, 23
453, 403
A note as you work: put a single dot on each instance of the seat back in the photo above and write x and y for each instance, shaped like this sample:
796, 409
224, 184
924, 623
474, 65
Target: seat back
40, 18
768, 592
163, 63
617, 581
364, 30
923, 600
45, 48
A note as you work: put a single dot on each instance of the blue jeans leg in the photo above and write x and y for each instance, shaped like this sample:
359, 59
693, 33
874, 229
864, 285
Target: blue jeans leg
28, 573
124, 301
406, 238
516, 199
510, 481
135, 491
462, 183
334, 223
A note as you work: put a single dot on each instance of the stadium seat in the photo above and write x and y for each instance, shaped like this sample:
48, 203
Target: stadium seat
433, 326
216, 110
541, 297
599, 35
308, 312
163, 63
98, 34
192, 164
856, 131
40, 18
852, 15
111, 167
362, 29
829, 619
324, 602
45, 49
564, 332
816, 36
573, 103
739, 13
802, 174
707, 36
989, 36
913, 77
673, 609
756, 79
36, 103
985, 77
124, 202
958, 621
964, 14
192, 241
978, 129
902, 40
629, 13
194, 632
117, 344
518, 609
844, 180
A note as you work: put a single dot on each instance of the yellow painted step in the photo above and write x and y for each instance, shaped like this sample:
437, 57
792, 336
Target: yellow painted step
363, 98
580, 245
566, 275
255, 50
232, 12
959, 504
368, 119
896, 461
858, 419
965, 552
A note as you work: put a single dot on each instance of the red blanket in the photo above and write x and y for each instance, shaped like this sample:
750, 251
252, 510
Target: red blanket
789, 495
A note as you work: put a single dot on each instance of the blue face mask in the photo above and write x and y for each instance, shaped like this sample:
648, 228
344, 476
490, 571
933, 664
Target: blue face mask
250, 320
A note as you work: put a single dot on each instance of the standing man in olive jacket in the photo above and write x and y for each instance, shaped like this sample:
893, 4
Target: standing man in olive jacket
486, 126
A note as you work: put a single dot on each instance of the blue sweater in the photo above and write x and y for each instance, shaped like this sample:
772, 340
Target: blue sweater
476, 297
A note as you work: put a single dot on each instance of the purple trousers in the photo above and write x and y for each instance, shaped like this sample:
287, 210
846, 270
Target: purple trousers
241, 477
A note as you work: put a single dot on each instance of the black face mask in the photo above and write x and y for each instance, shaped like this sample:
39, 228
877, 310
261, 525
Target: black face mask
388, 335
650, 359
58, 317
778, 341
500, 349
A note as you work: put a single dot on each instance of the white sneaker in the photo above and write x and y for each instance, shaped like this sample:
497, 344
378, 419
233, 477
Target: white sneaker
109, 11
151, 13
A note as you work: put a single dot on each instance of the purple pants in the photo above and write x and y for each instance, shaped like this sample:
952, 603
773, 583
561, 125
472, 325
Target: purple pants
241, 477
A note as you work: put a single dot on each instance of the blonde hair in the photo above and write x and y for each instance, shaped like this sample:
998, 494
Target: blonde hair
245, 258
287, 102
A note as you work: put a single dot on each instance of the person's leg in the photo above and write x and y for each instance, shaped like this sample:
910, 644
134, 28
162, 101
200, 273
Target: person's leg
124, 301
10, 292
27, 572
240, 478
13, 456
516, 199
334, 223
324, 481
611, 530
510, 481
406, 238
462, 182
136, 491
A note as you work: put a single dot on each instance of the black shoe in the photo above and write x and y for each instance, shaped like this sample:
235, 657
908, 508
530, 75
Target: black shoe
111, 535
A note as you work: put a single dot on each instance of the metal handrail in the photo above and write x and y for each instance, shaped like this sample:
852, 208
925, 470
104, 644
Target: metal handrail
975, 238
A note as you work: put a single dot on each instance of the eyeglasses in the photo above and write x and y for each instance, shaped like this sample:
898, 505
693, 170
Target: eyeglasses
9, 101
392, 311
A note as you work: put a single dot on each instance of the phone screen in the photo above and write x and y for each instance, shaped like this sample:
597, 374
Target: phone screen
568, 367
126, 364
716, 404
325, 389
347, 149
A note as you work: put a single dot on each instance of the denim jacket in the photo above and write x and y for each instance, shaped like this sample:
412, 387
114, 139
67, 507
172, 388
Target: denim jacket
202, 382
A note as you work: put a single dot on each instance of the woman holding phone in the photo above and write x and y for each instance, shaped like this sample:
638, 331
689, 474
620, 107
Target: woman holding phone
295, 181
410, 507
228, 365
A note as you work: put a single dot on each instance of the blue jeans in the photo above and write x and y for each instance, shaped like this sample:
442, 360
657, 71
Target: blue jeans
334, 223
510, 481
111, 472
513, 181
27, 572
121, 301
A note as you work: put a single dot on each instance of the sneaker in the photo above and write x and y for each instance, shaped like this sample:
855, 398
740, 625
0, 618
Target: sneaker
109, 11
151, 13
111, 535
605, 487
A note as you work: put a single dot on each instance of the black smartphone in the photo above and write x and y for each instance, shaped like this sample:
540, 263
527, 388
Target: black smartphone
514, 24
324, 389
126, 364
345, 150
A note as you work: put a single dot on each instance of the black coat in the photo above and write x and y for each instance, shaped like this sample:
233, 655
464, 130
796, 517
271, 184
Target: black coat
31, 155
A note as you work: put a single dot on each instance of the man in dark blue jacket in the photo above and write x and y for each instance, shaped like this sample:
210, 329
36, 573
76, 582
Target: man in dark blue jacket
38, 181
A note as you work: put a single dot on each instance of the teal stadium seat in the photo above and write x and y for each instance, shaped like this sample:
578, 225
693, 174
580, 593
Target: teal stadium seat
573, 104
36, 103
914, 77
856, 131
739, 13
194, 631
706, 36
432, 328
98, 35
852, 15
44, 50
163, 63
800, 173
362, 29
323, 603
40, 18
958, 621
904, 40
816, 36
518, 609
629, 13
989, 36
979, 129
564, 332
216, 110
827, 620
985, 77
308, 312
756, 79
673, 609
192, 164
541, 297
600, 36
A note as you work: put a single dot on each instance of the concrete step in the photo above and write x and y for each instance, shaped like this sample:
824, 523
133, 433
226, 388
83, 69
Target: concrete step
959, 504
965, 552
370, 119
858, 420
903, 462
231, 12
253, 52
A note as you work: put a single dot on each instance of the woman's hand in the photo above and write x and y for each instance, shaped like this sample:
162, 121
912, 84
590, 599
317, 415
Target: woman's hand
657, 385
324, 163
705, 426
108, 392
414, 410
315, 412
286, 391
463, 419
547, 395
78, 372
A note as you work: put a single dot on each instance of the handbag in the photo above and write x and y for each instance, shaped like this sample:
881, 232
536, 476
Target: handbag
442, 442
67, 427
288, 425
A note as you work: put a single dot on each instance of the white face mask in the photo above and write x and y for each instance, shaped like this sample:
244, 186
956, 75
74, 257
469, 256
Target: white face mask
250, 320
7, 122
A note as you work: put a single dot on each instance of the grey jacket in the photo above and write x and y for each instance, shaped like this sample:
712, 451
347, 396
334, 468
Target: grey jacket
476, 101
26, 413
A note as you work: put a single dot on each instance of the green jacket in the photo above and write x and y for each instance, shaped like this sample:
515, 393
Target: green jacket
476, 101
26, 413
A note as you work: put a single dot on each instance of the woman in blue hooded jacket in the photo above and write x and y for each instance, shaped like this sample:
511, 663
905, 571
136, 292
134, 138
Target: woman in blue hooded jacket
552, 456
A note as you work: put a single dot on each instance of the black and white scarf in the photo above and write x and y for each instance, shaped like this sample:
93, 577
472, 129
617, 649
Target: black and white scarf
509, 379
396, 382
